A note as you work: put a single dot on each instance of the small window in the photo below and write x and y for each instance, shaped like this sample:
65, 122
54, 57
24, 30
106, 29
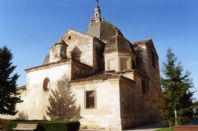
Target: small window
46, 84
143, 87
63, 52
123, 64
111, 64
69, 37
90, 99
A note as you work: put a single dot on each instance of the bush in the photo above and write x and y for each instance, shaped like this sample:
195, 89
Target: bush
4, 123
73, 126
48, 125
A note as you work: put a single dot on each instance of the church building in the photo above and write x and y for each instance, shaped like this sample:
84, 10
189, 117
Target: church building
115, 81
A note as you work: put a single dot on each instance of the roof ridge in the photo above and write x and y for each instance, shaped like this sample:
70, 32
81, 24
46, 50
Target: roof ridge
137, 42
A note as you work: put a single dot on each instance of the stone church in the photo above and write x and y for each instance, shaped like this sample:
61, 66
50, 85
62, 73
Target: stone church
115, 81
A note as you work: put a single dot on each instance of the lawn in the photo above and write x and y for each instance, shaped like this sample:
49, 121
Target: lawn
165, 129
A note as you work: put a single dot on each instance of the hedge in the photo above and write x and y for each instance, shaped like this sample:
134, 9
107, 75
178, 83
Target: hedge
48, 125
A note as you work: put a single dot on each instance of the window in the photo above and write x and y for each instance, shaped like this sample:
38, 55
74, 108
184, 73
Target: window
153, 59
69, 37
46, 84
124, 63
63, 51
143, 87
76, 54
90, 99
111, 64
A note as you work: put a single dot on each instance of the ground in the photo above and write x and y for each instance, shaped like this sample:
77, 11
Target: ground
152, 127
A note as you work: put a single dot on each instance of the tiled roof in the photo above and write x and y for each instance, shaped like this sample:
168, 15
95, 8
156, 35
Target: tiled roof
47, 65
102, 76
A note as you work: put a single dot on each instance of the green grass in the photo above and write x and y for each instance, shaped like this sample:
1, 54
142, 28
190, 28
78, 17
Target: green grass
165, 129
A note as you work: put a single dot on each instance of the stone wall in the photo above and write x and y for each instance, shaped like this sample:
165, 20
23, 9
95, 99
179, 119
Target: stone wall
98, 52
79, 70
35, 98
106, 114
118, 61
153, 73
136, 106
80, 47
127, 103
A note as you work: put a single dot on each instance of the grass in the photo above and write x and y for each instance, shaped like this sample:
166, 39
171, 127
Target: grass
165, 129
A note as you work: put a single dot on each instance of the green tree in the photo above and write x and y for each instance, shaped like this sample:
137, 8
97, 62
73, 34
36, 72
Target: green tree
62, 103
176, 99
8, 88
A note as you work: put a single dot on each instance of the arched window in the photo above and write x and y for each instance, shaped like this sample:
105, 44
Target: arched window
76, 54
46, 84
63, 52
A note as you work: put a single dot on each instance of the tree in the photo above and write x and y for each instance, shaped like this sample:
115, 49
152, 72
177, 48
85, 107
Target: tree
176, 101
8, 88
62, 103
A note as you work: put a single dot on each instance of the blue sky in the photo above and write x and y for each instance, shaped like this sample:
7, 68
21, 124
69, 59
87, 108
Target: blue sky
30, 27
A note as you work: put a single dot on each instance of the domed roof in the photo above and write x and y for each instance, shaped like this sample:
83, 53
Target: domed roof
103, 30
111, 35
108, 33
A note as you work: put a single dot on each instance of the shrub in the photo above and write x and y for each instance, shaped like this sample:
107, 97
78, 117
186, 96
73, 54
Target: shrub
4, 123
48, 125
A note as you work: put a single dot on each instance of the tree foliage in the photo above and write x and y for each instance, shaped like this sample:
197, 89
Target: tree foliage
8, 88
62, 103
176, 100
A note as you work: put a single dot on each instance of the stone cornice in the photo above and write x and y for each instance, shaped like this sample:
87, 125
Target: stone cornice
50, 65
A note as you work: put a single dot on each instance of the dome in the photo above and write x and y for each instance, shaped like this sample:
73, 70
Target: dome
111, 35
103, 30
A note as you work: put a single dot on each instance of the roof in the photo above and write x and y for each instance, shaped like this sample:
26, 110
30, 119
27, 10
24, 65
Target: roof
141, 42
47, 65
148, 42
58, 63
103, 30
102, 76
118, 43
111, 35
61, 42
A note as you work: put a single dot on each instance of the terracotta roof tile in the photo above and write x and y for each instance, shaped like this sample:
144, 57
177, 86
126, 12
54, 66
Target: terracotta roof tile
102, 76
46, 65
